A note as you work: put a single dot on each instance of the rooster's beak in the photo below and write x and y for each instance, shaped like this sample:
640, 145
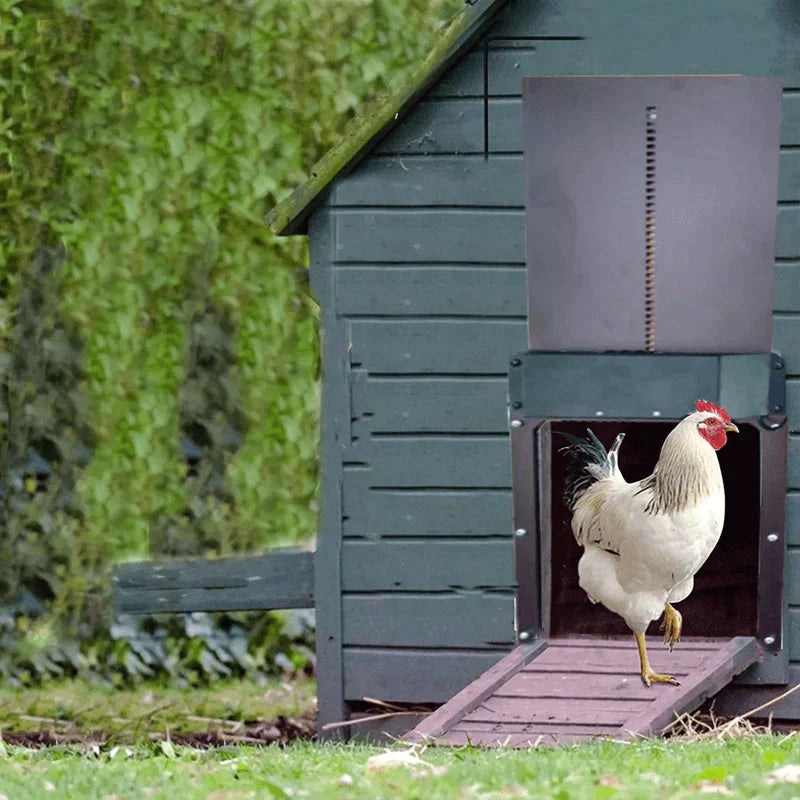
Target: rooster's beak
731, 427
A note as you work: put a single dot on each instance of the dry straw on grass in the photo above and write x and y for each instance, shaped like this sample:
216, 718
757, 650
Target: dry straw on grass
691, 728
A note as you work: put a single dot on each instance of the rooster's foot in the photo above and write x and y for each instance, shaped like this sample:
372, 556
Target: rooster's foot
649, 676
672, 626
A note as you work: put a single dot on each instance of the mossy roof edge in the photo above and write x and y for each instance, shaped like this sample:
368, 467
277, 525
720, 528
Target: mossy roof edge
291, 216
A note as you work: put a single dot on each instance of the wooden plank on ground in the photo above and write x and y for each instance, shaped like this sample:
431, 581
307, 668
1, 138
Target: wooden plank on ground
280, 579
427, 566
733, 657
568, 693
474, 620
537, 709
476, 692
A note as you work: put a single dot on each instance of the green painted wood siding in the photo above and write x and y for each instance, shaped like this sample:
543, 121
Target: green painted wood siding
429, 293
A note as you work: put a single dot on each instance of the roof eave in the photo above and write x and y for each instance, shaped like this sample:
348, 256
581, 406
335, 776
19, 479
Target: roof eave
291, 216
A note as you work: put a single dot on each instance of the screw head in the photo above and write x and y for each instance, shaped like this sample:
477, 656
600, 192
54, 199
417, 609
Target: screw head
524, 636
777, 409
516, 423
772, 537
515, 362
520, 532
517, 404
767, 639
778, 365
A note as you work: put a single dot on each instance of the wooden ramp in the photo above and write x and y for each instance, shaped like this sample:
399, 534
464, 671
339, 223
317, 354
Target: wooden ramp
572, 690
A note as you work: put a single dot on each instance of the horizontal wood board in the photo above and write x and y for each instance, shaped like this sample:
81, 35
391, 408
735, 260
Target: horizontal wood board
450, 126
474, 235
469, 180
435, 565
481, 620
609, 698
280, 579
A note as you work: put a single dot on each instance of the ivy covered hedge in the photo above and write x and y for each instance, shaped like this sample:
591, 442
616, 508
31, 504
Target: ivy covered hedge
158, 348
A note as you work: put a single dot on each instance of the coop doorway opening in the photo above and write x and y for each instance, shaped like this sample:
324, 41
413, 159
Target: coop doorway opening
725, 598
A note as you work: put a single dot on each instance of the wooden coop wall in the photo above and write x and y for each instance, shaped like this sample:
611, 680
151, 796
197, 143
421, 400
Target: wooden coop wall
418, 260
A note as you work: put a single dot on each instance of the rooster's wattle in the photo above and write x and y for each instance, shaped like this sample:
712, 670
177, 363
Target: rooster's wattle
643, 542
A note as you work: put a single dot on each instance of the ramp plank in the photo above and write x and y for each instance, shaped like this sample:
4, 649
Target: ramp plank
561, 691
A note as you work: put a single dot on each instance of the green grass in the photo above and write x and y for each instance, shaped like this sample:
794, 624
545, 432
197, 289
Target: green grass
644, 769
77, 705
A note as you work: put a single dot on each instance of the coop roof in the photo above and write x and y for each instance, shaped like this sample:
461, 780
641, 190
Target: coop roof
291, 216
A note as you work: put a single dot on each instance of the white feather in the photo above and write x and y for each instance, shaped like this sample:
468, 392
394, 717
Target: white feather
643, 542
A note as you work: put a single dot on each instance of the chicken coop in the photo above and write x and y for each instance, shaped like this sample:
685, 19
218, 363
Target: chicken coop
444, 577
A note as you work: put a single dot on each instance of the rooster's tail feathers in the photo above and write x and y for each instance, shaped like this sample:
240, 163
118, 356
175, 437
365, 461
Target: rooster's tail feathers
590, 463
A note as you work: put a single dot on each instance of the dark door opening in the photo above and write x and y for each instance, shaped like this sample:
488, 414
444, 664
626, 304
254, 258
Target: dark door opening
725, 597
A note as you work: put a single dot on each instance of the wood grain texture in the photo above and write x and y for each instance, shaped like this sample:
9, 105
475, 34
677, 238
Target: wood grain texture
423, 512
576, 698
793, 471
458, 620
413, 675
732, 658
786, 340
441, 461
469, 180
452, 126
434, 405
537, 710
334, 427
431, 291
490, 236
787, 287
281, 579
410, 236
792, 525
475, 693
450, 346
457, 180
425, 566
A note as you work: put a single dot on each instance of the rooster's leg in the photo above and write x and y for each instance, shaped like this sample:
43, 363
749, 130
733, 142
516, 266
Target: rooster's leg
647, 673
672, 625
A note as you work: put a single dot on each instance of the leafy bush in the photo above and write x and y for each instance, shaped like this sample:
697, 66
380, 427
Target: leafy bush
140, 145
178, 649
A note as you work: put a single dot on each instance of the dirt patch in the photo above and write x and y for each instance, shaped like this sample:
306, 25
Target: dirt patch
279, 731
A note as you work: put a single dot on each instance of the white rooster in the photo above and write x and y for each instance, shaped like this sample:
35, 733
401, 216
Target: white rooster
643, 542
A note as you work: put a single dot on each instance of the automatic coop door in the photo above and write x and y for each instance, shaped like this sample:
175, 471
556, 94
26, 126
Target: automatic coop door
650, 212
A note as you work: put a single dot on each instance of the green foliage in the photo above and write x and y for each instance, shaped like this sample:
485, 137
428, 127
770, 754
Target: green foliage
177, 650
144, 142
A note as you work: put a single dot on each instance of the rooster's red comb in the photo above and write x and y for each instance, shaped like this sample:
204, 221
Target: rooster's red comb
704, 405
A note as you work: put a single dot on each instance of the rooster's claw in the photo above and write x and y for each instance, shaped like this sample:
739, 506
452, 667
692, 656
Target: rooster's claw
672, 626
